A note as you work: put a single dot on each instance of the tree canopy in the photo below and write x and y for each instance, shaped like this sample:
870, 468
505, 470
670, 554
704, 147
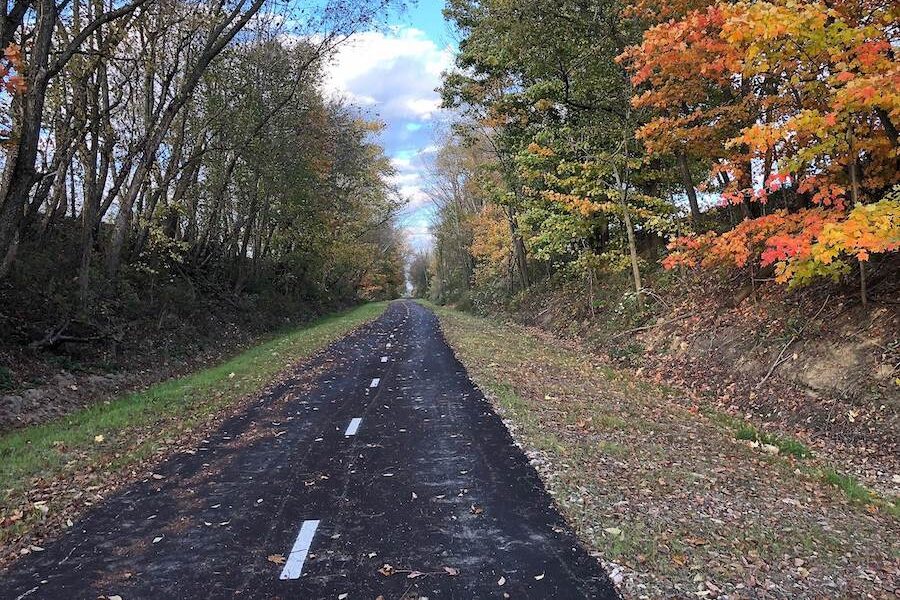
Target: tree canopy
611, 126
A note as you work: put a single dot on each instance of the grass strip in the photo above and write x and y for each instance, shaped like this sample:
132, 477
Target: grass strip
112, 435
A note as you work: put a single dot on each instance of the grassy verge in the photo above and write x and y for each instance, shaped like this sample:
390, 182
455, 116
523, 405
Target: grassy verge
852, 488
678, 500
94, 444
787, 446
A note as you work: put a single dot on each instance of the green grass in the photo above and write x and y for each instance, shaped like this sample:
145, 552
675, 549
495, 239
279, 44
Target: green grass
857, 492
158, 413
852, 488
787, 446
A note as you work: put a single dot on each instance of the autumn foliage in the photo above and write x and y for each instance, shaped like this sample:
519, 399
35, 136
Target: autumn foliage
794, 106
11, 67
802, 245
758, 136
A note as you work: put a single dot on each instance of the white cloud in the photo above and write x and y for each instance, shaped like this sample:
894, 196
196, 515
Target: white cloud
423, 108
401, 163
399, 70
415, 194
395, 75
419, 237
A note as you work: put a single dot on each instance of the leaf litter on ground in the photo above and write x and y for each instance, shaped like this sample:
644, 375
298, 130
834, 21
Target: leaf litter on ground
669, 500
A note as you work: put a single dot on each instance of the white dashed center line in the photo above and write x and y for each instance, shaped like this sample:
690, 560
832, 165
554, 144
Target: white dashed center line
294, 564
353, 427
375, 383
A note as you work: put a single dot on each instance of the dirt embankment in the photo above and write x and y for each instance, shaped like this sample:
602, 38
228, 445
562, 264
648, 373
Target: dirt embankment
814, 365
123, 351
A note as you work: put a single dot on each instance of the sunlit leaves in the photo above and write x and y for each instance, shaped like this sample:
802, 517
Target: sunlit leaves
808, 90
802, 245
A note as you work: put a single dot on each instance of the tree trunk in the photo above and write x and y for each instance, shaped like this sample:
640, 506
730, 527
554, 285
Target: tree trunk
19, 175
219, 37
854, 194
518, 254
632, 244
689, 189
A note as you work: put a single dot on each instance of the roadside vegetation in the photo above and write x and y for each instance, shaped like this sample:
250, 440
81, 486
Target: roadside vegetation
706, 192
677, 501
52, 472
175, 179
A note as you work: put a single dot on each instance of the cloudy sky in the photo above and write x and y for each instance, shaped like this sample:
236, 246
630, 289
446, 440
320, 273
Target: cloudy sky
392, 75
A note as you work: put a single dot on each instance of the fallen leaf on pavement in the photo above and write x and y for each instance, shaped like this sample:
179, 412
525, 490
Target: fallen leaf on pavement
387, 570
278, 559
452, 571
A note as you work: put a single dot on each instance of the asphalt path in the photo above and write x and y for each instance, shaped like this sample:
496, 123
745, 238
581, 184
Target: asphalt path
379, 469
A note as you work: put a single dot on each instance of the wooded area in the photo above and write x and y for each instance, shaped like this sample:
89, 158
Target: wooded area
161, 153
754, 139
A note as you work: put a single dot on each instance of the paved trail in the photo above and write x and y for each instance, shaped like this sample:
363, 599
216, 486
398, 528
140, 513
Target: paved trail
382, 452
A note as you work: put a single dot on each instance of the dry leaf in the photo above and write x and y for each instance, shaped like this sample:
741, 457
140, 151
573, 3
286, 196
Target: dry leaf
387, 570
695, 541
452, 571
278, 559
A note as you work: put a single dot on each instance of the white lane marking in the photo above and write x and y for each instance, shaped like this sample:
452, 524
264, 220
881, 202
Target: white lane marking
384, 359
294, 565
375, 383
353, 427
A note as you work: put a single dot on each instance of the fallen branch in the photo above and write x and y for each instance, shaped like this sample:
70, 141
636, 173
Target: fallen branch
51, 338
780, 360
646, 327
56, 336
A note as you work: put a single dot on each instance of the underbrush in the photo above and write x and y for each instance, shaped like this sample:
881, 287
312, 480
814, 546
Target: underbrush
160, 314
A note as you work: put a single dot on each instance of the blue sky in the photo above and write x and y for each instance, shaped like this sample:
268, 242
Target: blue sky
391, 74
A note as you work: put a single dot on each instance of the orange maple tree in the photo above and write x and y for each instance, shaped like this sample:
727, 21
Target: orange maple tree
789, 102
